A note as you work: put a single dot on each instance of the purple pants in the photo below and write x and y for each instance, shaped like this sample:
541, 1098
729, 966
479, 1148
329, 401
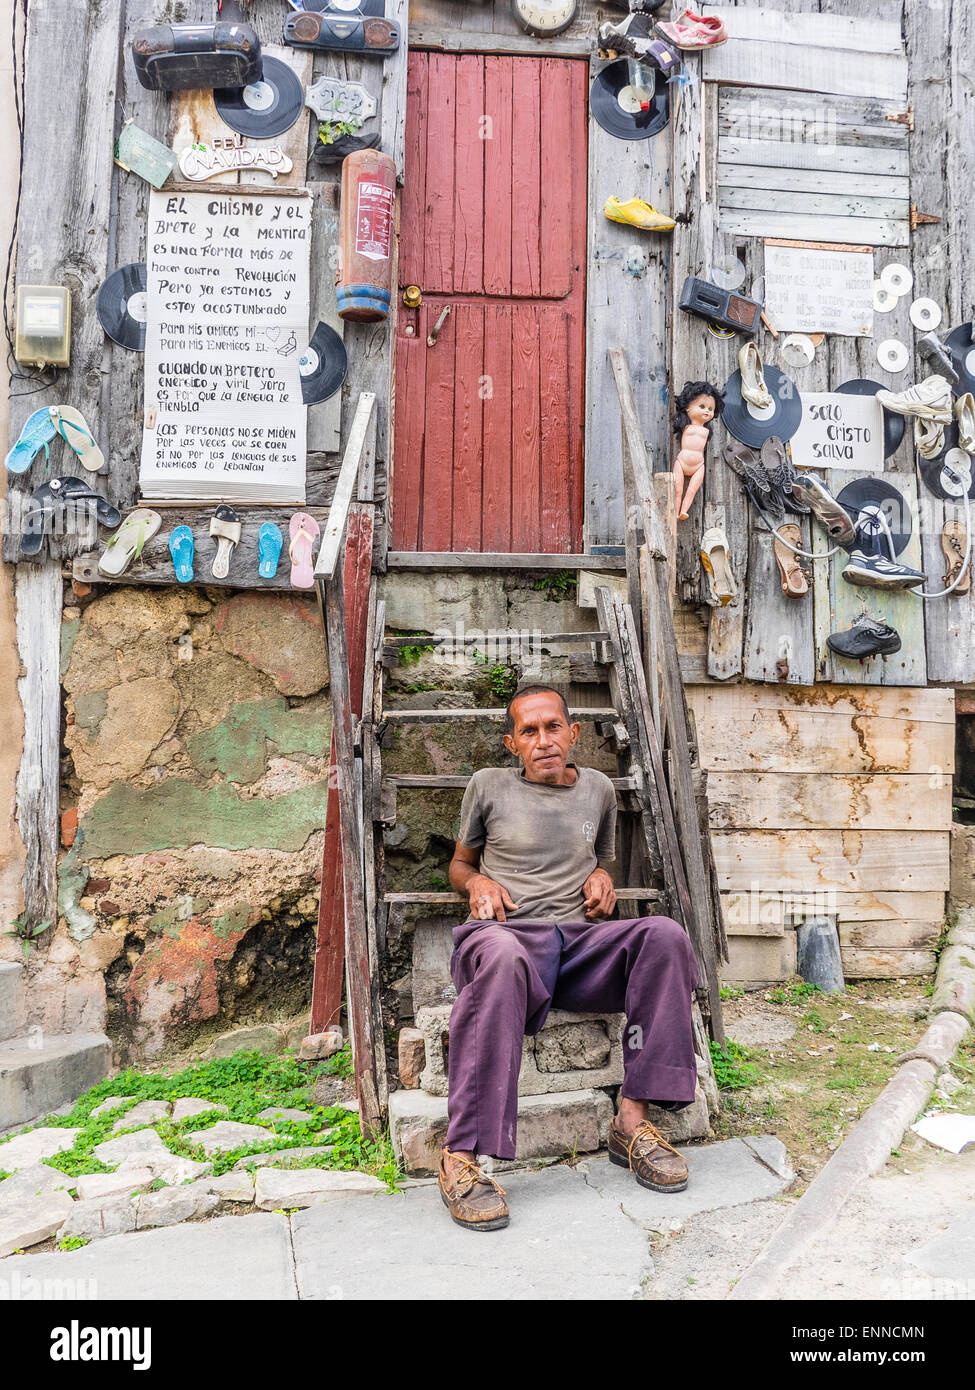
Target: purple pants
508, 976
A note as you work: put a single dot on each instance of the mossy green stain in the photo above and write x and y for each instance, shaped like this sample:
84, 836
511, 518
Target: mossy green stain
175, 814
237, 747
69, 631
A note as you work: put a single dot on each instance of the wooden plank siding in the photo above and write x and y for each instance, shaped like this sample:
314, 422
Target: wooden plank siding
829, 800
489, 447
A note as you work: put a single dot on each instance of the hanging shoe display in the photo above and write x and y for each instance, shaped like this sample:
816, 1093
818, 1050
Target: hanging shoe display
929, 399
864, 637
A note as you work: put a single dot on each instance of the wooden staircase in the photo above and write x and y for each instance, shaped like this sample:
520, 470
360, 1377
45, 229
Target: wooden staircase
668, 861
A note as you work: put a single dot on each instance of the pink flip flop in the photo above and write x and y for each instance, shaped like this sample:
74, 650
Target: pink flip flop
304, 531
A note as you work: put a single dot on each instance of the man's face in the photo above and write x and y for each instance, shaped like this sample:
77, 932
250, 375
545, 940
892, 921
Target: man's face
542, 737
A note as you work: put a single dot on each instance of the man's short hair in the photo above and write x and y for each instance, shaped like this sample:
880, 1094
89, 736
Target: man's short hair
536, 690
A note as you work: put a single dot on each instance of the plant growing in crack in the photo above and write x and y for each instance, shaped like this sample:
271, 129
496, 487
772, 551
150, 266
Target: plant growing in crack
27, 935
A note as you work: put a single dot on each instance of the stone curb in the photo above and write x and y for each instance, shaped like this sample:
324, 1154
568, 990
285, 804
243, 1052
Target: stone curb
881, 1128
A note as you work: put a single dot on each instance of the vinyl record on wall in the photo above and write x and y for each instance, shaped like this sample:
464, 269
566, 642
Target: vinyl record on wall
266, 108
624, 110
753, 426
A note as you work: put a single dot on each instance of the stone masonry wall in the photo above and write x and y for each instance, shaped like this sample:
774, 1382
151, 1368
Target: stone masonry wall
194, 785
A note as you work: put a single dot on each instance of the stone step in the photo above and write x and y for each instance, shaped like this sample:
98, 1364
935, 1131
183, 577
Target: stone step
11, 1000
39, 1072
549, 1126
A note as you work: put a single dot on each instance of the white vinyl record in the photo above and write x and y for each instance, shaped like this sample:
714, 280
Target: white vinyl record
883, 299
892, 355
896, 278
797, 349
925, 315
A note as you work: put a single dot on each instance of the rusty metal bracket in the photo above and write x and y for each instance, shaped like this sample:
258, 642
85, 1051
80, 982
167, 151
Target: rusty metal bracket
903, 118
921, 219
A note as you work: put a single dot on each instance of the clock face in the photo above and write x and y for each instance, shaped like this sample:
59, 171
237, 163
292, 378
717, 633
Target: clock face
544, 17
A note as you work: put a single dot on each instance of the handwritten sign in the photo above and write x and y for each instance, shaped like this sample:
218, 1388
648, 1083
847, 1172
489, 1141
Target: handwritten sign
812, 289
839, 431
227, 321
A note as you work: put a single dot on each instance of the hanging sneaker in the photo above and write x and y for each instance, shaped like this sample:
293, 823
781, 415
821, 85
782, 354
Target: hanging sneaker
636, 213
929, 438
933, 350
930, 399
864, 637
645, 6
824, 506
634, 37
693, 31
867, 566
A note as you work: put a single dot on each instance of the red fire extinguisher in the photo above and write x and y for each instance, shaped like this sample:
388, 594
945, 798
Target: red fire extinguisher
365, 270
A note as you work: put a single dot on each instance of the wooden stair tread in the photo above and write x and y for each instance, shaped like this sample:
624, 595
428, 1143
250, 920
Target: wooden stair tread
431, 898
462, 559
423, 716
623, 784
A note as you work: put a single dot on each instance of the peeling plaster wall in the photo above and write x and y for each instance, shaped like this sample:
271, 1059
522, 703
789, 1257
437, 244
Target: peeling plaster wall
194, 788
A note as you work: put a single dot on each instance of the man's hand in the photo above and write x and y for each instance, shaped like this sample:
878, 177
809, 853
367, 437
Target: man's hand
600, 896
488, 899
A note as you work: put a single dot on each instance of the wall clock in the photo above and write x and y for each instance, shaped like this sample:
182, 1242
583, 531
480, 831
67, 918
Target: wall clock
542, 18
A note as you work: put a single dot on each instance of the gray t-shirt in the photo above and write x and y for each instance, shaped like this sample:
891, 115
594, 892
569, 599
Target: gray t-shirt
541, 842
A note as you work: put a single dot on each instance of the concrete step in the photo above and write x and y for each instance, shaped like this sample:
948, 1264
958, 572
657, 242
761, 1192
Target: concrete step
549, 1126
11, 1000
39, 1072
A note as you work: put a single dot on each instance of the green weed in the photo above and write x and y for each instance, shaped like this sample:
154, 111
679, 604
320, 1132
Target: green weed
72, 1243
26, 934
729, 992
814, 1020
732, 1070
557, 584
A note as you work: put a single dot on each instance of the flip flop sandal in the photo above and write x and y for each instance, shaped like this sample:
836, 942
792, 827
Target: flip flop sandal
304, 531
70, 425
52, 500
225, 529
181, 549
795, 582
128, 542
722, 588
37, 432
269, 543
953, 541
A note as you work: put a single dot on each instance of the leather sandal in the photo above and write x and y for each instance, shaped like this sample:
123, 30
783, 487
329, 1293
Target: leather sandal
953, 543
795, 581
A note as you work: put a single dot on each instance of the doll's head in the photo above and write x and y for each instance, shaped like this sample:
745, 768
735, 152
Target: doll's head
700, 403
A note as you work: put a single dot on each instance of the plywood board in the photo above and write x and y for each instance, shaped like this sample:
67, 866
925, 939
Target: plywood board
807, 31
873, 231
803, 860
785, 801
740, 703
833, 161
756, 63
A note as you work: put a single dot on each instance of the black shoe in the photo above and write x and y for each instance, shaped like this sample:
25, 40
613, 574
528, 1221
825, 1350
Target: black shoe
632, 36
877, 572
865, 637
933, 350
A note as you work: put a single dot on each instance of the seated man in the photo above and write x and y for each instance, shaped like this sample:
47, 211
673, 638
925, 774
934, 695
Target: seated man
529, 856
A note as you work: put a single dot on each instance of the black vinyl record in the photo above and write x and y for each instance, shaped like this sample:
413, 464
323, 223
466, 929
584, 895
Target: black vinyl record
752, 427
959, 344
266, 108
617, 109
930, 469
894, 425
323, 365
121, 306
864, 496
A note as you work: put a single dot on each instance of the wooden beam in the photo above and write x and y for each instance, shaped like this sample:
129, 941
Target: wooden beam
38, 599
509, 45
334, 532
458, 716
463, 560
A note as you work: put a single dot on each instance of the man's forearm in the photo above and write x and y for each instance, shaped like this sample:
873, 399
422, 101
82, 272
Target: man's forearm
460, 874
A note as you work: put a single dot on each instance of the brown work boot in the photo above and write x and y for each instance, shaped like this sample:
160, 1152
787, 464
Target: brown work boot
652, 1161
473, 1199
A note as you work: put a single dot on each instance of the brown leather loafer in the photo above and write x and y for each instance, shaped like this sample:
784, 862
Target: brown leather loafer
473, 1199
652, 1161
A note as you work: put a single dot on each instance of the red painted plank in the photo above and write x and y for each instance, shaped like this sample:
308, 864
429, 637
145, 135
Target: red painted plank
525, 430
438, 230
526, 155
326, 996
497, 175
413, 204
438, 433
496, 488
557, 125
407, 471
554, 406
469, 163
468, 424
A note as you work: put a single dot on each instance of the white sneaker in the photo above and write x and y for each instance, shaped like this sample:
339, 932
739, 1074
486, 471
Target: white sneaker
753, 386
929, 438
930, 399
965, 415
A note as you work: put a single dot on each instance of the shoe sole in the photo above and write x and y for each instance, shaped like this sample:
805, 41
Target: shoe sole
498, 1224
645, 1182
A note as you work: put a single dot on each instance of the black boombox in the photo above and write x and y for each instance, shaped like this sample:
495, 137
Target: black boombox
368, 35
171, 57
711, 302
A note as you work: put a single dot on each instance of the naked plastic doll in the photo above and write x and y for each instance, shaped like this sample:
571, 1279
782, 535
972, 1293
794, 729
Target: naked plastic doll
696, 407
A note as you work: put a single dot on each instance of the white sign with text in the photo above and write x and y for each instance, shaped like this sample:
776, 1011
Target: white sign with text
227, 321
810, 289
838, 431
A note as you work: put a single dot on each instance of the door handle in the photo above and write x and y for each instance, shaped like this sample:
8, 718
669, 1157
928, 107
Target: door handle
435, 330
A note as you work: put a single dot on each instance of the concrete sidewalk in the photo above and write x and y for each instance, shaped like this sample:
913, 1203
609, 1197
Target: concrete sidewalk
578, 1232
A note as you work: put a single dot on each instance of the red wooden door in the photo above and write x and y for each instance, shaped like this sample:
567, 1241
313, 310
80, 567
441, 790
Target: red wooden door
488, 444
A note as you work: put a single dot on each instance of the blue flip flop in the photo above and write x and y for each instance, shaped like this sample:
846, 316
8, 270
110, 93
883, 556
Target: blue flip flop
36, 434
181, 549
269, 543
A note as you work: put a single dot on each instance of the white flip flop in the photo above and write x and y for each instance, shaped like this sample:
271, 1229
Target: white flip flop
128, 542
73, 429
